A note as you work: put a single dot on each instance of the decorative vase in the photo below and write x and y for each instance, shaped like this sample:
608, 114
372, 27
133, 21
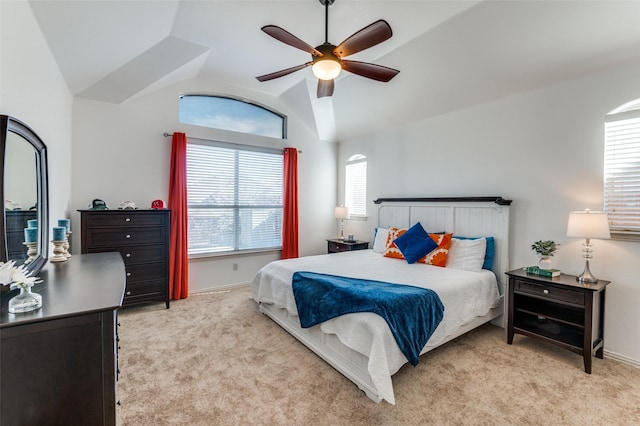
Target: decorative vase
24, 302
544, 262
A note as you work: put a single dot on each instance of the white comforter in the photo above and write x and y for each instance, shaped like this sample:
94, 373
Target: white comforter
464, 294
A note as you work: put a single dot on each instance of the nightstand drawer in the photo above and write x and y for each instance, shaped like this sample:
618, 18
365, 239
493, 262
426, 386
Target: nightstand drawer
337, 247
550, 292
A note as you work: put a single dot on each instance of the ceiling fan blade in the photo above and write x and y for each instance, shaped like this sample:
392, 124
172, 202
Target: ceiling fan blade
282, 73
367, 37
325, 88
372, 71
287, 38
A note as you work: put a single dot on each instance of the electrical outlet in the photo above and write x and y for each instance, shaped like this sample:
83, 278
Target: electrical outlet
235, 266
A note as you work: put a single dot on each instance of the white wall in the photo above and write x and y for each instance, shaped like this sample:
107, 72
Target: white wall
544, 150
33, 91
119, 153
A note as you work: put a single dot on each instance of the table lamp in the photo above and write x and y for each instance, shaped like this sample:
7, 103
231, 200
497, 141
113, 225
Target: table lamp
341, 213
588, 224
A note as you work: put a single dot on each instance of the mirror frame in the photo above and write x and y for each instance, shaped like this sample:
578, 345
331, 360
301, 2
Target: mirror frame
11, 124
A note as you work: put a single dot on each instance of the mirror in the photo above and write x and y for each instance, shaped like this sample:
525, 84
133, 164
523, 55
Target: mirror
23, 167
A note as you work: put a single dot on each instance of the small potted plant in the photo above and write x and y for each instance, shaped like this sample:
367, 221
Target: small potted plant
544, 249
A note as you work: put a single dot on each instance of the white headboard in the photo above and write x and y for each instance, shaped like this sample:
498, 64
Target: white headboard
463, 216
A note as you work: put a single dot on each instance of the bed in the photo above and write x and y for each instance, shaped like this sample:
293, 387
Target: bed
361, 345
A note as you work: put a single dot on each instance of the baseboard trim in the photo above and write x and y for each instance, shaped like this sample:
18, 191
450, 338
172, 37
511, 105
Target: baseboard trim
225, 287
622, 359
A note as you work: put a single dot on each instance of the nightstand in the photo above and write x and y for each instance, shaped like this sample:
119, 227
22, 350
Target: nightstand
558, 310
337, 246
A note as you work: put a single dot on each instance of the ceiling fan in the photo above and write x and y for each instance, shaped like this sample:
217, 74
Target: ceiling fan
327, 59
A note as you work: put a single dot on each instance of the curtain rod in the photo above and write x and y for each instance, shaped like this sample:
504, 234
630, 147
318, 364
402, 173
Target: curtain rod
165, 134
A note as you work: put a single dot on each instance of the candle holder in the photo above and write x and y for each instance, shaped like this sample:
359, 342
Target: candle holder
32, 251
66, 245
58, 252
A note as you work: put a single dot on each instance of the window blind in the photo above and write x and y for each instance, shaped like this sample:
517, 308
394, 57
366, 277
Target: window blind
622, 171
356, 188
234, 198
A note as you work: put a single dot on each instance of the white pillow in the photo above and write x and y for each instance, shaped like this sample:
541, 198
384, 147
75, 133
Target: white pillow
467, 254
380, 240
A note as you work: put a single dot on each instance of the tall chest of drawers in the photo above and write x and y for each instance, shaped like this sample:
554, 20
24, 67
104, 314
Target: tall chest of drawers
16, 221
142, 238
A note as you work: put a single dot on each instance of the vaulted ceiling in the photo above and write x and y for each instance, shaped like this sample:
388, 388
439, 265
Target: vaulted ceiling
451, 54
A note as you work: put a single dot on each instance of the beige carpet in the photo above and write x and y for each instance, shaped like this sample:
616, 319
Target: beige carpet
213, 359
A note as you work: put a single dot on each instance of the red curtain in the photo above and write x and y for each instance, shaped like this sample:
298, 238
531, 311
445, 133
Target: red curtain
290, 205
178, 266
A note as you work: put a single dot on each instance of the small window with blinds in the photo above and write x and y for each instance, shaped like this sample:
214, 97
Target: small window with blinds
234, 197
622, 171
356, 186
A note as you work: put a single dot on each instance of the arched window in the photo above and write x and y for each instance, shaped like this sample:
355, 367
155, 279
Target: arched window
355, 196
622, 171
236, 115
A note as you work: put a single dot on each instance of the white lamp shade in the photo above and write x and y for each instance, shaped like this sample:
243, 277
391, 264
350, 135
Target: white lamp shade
341, 213
326, 69
588, 224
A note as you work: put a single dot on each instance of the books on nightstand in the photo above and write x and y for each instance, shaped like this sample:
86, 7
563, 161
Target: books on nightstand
536, 270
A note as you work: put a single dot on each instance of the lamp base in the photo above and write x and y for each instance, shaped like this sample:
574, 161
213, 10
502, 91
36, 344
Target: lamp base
586, 276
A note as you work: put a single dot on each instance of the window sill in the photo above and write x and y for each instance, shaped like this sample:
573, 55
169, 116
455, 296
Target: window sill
361, 218
233, 253
625, 236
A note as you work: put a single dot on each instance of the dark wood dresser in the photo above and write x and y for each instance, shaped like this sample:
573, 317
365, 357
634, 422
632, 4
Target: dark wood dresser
16, 222
142, 238
59, 362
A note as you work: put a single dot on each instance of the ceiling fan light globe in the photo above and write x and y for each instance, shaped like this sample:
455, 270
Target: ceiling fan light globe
326, 69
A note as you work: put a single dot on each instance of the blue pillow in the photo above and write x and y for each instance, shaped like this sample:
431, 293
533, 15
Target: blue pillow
489, 252
415, 243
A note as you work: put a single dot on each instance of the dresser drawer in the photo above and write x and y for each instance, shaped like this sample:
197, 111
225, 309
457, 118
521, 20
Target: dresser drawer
122, 236
137, 254
145, 289
550, 292
145, 272
135, 219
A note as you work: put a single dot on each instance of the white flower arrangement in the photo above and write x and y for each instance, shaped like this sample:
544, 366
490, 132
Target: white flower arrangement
16, 276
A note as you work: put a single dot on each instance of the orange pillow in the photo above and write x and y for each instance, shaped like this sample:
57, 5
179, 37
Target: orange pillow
437, 257
392, 250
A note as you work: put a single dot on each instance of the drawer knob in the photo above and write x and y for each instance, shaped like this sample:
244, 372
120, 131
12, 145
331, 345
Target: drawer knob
545, 291
128, 236
127, 220
128, 274
128, 255
128, 293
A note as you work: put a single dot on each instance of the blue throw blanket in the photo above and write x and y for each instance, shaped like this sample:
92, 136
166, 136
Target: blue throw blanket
413, 313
